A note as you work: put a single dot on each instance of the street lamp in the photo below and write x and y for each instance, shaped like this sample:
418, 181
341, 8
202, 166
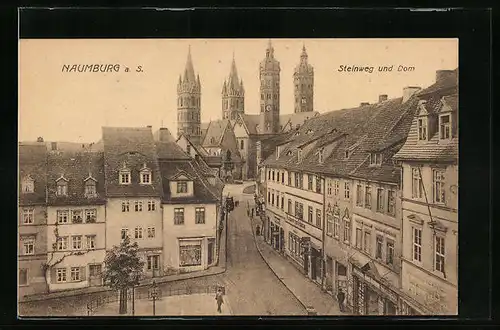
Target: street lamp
153, 293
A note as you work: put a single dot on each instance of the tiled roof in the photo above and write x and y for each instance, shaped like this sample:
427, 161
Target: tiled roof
251, 122
215, 133
131, 147
75, 167
294, 119
450, 82
170, 150
33, 163
163, 135
202, 192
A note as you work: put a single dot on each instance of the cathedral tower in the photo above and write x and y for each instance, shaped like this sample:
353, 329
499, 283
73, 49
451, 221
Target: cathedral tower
188, 103
303, 81
233, 95
269, 92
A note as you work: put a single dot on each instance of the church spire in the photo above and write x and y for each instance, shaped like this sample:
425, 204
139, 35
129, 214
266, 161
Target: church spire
270, 49
189, 70
233, 81
303, 56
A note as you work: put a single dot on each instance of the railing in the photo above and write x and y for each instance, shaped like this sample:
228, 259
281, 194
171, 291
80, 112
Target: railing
114, 297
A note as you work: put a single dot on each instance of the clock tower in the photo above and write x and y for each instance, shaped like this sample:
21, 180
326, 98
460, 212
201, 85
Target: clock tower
303, 81
269, 75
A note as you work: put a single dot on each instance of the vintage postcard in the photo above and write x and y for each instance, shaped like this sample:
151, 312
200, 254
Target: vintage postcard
261, 177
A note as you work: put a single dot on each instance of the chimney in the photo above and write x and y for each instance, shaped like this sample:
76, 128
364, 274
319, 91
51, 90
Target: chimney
409, 91
364, 104
40, 139
54, 145
382, 98
444, 74
149, 126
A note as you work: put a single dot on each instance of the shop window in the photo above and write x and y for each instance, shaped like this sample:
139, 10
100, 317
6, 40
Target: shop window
190, 254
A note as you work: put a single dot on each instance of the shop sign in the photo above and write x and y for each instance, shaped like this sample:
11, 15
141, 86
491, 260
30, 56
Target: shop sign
296, 222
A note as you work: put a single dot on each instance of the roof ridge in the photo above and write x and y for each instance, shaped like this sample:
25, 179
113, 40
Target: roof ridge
202, 181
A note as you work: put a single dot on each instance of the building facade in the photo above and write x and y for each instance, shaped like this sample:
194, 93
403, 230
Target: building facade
233, 95
269, 76
303, 84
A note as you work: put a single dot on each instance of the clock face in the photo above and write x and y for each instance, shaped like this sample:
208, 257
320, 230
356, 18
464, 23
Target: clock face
268, 108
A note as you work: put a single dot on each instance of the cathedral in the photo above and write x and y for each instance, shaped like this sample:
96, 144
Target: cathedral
230, 145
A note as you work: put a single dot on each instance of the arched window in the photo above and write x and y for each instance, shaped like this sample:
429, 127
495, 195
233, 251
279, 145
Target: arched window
242, 144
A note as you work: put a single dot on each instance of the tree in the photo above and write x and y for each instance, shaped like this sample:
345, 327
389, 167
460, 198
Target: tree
123, 269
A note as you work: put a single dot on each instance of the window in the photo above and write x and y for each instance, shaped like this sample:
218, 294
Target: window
151, 232
359, 195
290, 178
320, 156
417, 186
189, 254
297, 184
367, 242
242, 144
153, 262
318, 218
272, 198
347, 231
28, 216
301, 180
77, 216
347, 190
282, 202
336, 226
269, 174
90, 188
200, 215
23, 276
375, 159
178, 216
346, 154
390, 252
125, 206
95, 270
439, 250
62, 216
146, 177
444, 127
417, 244
90, 242
318, 184
124, 233
309, 182
289, 206
75, 274
138, 206
125, 177
283, 177
61, 275
62, 188
358, 238
151, 206
390, 202
378, 248
336, 187
329, 187
309, 214
28, 185
269, 197
90, 215
28, 246
62, 243
380, 199
77, 242
299, 210
138, 232
438, 189
188, 149
422, 129
368, 197
329, 225
182, 187
272, 175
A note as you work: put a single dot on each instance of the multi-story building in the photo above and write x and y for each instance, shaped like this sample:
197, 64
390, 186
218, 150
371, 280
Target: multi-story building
134, 192
190, 206
303, 80
32, 221
430, 202
76, 214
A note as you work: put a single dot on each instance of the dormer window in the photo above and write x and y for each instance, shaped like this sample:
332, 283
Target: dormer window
124, 176
289, 153
320, 155
145, 175
309, 131
90, 187
299, 155
28, 185
297, 134
62, 186
445, 127
375, 159
182, 187
422, 129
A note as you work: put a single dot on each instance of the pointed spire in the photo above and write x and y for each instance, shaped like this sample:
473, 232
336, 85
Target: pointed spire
233, 80
303, 56
270, 49
189, 70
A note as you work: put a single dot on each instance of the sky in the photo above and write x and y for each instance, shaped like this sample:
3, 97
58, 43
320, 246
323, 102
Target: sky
69, 106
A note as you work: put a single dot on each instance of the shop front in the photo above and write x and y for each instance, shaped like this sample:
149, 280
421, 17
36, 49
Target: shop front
315, 263
277, 235
370, 297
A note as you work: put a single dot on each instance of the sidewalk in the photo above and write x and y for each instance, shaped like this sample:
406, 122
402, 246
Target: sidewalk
307, 292
214, 270
194, 305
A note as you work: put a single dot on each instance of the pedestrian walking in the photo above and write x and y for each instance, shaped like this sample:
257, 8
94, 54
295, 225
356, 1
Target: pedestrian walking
340, 299
219, 299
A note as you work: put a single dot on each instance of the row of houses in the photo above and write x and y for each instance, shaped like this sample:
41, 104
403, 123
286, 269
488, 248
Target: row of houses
366, 199
74, 204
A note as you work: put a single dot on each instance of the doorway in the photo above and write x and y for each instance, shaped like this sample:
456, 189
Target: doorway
95, 275
210, 251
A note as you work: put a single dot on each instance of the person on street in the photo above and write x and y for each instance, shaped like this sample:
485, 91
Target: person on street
219, 299
340, 299
252, 212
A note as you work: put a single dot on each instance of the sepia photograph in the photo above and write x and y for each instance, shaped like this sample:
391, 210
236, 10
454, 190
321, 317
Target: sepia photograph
238, 177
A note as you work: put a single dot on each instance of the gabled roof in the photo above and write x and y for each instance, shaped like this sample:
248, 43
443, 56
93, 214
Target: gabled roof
132, 146
250, 122
295, 119
215, 133
198, 148
33, 164
75, 168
